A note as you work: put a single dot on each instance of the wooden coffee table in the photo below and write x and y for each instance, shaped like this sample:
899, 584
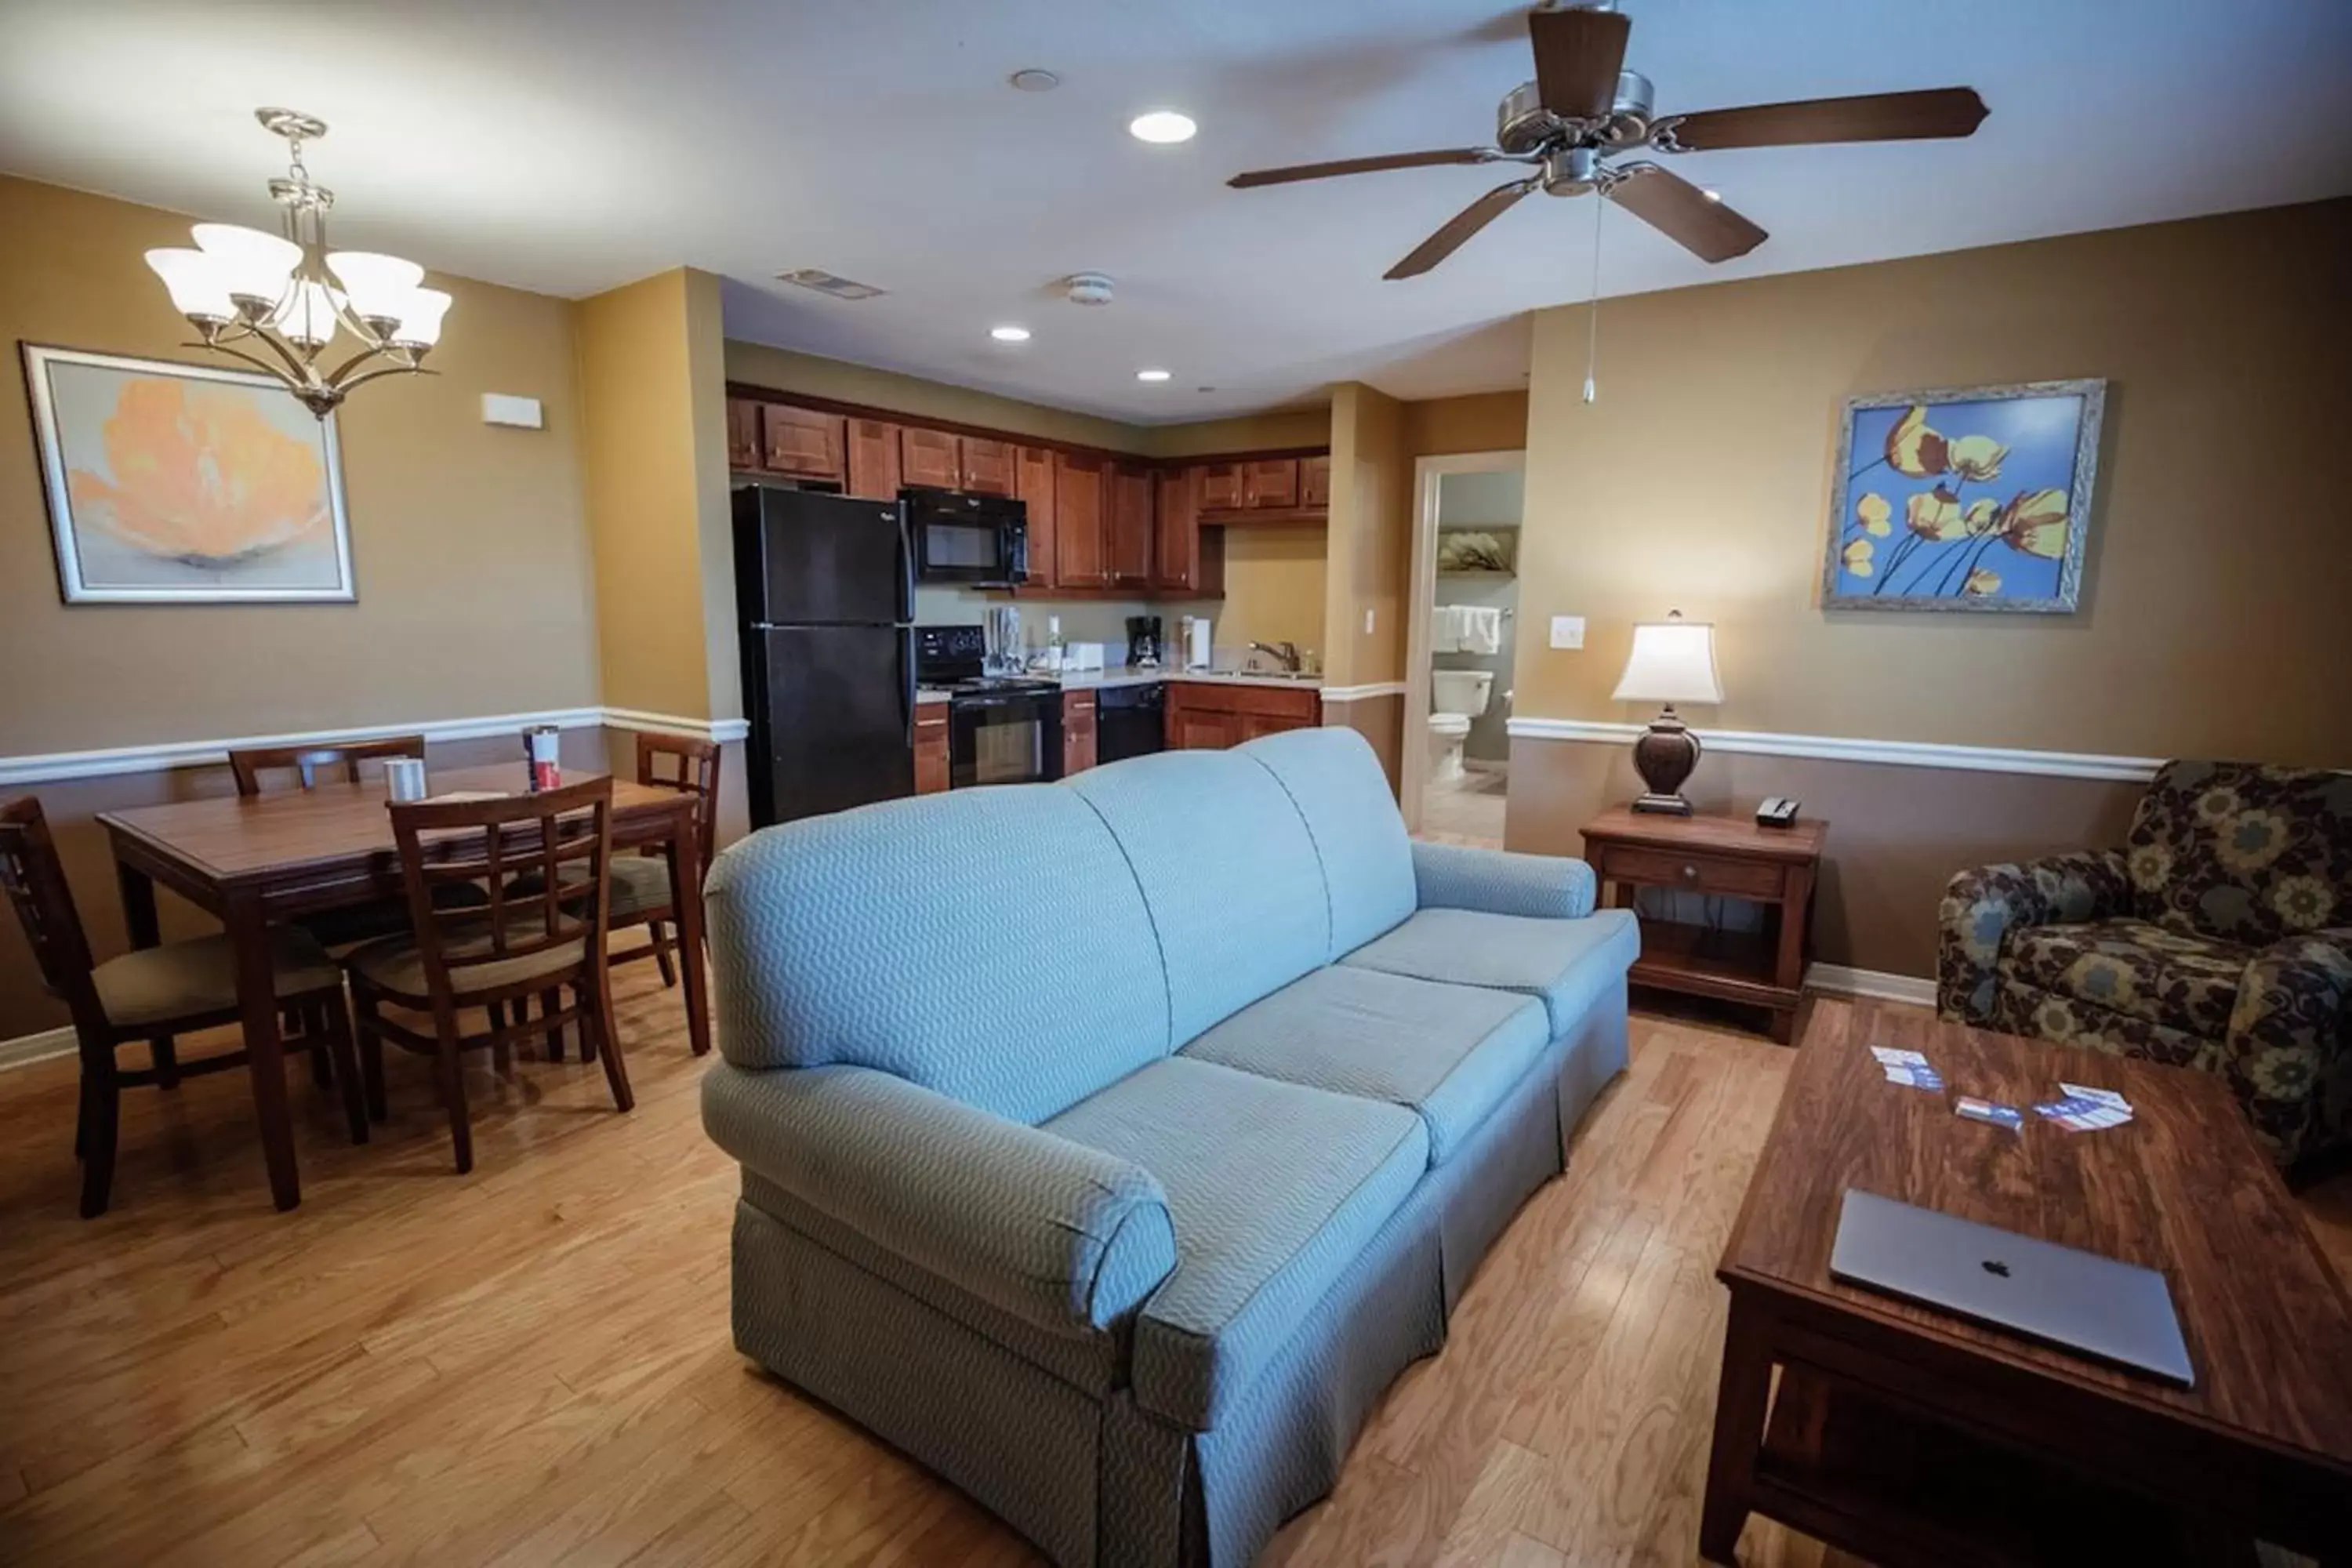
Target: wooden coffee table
1908, 1436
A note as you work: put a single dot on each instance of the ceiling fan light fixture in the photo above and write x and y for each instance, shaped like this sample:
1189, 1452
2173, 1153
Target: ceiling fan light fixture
1162, 127
1009, 334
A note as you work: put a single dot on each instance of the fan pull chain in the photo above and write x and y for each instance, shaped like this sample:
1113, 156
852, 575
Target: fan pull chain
1592, 318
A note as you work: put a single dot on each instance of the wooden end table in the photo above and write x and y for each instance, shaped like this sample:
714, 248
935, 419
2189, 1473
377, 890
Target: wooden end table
1726, 855
1905, 1435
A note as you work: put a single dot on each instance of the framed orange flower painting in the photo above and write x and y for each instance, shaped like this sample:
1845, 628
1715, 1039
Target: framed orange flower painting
182, 484
1966, 499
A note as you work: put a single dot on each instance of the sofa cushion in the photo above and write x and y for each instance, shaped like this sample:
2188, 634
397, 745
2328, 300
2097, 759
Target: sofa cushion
1564, 963
988, 944
1227, 870
1335, 779
1448, 1053
2133, 967
2242, 852
1274, 1189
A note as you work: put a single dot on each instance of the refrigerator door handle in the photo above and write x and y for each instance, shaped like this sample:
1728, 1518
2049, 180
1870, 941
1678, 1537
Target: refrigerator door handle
906, 680
906, 567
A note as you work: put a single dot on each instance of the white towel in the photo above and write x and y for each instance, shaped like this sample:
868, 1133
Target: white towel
1482, 628
1446, 628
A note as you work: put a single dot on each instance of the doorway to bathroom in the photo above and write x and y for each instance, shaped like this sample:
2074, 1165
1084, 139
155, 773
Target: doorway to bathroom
1461, 646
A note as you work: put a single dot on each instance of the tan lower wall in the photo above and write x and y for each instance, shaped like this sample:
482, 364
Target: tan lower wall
1895, 834
1381, 720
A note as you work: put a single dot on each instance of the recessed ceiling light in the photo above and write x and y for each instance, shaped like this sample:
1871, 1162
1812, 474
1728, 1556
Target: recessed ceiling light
1712, 195
1035, 81
1009, 334
1161, 125
1151, 376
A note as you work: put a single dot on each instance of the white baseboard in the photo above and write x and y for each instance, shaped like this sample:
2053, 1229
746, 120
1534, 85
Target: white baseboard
25, 1049
1838, 980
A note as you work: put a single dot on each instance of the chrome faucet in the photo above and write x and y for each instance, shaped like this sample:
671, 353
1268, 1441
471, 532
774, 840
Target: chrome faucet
1284, 653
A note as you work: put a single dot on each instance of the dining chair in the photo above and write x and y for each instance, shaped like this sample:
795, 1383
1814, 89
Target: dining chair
308, 759
641, 888
516, 945
154, 995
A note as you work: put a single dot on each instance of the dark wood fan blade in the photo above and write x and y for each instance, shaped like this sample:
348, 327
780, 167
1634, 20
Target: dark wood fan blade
1875, 117
1459, 228
1684, 213
1360, 166
1579, 53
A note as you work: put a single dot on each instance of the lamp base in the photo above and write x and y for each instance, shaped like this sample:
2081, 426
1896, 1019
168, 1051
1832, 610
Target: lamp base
1665, 756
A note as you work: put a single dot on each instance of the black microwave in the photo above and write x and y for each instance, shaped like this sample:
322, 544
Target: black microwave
982, 542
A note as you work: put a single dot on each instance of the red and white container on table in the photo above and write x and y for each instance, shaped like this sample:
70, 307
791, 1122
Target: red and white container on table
542, 752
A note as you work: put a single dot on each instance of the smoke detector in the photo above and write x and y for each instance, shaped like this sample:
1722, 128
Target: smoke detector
1089, 288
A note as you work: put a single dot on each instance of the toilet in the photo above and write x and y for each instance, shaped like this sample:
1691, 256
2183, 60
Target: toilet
1455, 696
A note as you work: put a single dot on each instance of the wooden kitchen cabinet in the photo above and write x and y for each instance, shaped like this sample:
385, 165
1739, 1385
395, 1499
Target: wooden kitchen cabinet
1128, 540
1211, 716
931, 458
1187, 558
1270, 482
987, 466
1081, 496
743, 433
803, 443
1315, 481
874, 467
1033, 483
1078, 731
931, 769
1220, 487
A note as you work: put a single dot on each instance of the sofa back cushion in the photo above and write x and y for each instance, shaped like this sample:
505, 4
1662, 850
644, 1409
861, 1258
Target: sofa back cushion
1333, 777
1228, 871
991, 944
2245, 853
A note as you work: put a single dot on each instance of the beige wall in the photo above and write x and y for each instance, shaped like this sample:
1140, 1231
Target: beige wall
2219, 558
1276, 428
2217, 564
1274, 585
473, 568
1481, 422
1368, 537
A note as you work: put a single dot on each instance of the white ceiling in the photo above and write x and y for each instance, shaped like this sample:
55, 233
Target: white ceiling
571, 147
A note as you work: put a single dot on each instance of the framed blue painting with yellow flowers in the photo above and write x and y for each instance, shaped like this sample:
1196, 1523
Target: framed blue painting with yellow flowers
1964, 500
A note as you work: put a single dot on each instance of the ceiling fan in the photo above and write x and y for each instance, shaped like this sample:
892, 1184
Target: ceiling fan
1583, 109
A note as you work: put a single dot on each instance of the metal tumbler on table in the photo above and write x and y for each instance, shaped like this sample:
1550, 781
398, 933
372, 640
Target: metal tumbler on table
403, 778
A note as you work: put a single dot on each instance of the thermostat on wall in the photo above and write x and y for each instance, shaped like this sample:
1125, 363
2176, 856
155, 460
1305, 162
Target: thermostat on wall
503, 408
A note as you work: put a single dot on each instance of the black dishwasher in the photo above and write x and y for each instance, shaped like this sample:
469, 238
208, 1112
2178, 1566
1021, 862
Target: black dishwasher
1130, 720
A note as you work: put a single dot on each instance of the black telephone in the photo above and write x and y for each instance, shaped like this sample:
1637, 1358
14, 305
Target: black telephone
1780, 811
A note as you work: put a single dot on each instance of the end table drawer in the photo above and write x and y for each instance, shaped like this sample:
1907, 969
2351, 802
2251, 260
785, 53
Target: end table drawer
1699, 873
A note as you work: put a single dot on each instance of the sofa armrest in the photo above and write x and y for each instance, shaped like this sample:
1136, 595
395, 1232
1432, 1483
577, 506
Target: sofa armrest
1062, 1235
1980, 906
1496, 882
2288, 1037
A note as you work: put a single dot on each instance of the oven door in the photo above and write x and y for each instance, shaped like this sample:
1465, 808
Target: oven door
1005, 737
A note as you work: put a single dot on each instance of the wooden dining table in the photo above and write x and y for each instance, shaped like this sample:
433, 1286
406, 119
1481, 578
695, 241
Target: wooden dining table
252, 860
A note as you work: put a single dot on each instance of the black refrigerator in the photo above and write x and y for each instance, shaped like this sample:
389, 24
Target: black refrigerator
825, 589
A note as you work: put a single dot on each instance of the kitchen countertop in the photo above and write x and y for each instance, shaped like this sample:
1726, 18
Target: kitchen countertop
1128, 675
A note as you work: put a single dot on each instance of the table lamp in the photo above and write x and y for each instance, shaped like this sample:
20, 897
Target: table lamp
1673, 661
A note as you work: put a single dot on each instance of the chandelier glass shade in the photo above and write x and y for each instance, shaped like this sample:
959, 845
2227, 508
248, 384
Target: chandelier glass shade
279, 302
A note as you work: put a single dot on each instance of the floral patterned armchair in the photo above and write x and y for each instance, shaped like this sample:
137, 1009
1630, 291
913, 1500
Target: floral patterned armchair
2220, 939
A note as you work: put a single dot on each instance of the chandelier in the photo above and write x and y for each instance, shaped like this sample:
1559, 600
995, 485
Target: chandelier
288, 297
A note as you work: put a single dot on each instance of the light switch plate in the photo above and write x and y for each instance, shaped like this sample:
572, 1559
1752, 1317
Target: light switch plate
1567, 631
1368, 623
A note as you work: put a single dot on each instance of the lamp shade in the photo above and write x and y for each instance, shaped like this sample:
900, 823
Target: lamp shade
198, 283
420, 319
256, 265
306, 317
377, 286
1671, 661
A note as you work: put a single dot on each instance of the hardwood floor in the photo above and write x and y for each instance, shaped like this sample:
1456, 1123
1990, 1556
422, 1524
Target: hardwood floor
530, 1364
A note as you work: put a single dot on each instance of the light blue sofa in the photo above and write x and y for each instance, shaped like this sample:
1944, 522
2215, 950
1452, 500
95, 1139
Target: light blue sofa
1110, 1146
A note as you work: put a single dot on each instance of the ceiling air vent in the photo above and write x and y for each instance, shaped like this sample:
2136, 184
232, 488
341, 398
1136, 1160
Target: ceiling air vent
824, 282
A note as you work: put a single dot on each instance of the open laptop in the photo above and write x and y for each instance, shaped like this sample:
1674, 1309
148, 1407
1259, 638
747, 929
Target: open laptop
2114, 1311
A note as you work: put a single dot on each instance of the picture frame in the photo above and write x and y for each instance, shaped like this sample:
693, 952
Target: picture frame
182, 484
1976, 500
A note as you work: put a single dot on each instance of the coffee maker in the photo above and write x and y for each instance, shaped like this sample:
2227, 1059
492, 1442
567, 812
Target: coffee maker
1143, 641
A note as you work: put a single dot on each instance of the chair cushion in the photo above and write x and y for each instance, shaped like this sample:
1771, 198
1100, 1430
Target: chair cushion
188, 979
2242, 852
1448, 1053
1564, 963
394, 964
640, 885
1275, 1188
2134, 967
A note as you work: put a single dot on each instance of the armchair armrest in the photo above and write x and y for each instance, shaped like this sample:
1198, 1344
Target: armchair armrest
1496, 882
1062, 1235
1981, 906
2288, 1038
